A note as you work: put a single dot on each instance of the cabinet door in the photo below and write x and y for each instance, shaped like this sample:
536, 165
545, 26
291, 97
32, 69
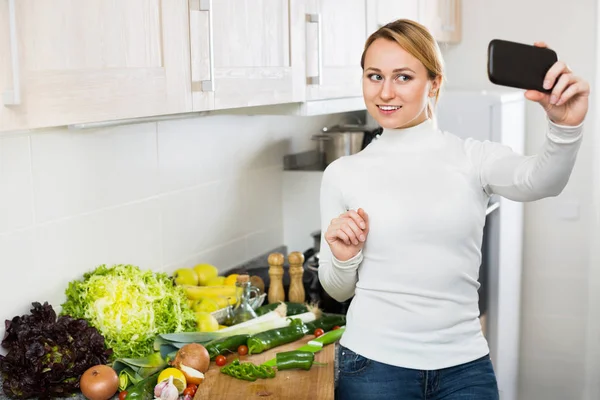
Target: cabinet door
92, 60
443, 18
381, 12
335, 37
246, 52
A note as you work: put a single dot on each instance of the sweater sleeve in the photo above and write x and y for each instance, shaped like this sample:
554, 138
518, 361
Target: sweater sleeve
338, 278
527, 178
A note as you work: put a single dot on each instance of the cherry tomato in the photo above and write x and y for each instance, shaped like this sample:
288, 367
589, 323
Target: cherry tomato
122, 395
319, 332
335, 327
243, 350
190, 390
220, 360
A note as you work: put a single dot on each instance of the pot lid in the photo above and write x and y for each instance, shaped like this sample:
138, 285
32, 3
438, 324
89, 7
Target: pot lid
344, 128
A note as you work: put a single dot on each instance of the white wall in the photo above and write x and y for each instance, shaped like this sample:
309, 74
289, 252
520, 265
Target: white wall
556, 260
157, 195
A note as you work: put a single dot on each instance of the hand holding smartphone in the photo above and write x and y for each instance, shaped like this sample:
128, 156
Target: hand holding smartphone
565, 99
519, 65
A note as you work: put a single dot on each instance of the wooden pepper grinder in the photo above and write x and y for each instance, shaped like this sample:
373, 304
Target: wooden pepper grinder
296, 293
276, 292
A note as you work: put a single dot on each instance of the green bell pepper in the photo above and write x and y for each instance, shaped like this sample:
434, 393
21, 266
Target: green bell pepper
294, 359
276, 337
144, 389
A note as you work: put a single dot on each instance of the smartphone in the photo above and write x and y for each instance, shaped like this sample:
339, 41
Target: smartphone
519, 65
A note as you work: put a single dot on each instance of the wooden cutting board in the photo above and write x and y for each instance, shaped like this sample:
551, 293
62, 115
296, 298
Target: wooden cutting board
317, 383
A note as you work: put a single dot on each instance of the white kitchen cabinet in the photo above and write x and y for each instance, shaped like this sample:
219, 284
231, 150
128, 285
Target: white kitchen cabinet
67, 61
335, 36
443, 18
246, 52
381, 12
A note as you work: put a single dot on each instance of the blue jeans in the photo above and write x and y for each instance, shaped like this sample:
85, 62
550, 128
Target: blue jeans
362, 379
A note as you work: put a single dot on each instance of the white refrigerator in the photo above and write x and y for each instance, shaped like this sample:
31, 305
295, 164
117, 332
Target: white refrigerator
497, 116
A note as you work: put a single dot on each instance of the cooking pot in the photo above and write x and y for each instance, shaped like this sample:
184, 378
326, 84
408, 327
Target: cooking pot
339, 141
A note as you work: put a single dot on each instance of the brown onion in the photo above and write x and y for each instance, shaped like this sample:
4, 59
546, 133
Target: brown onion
191, 375
99, 382
193, 355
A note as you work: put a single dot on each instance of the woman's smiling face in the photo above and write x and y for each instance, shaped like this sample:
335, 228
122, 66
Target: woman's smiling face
396, 85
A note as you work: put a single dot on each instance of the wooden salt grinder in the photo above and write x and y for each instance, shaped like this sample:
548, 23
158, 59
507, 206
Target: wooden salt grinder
296, 293
276, 292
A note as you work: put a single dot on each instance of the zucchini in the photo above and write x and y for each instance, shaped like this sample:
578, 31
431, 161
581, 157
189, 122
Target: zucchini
222, 346
327, 322
292, 308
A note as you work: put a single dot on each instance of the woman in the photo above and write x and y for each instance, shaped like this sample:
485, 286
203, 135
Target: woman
403, 223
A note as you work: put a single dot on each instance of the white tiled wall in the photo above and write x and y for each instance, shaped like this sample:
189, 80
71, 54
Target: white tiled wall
157, 195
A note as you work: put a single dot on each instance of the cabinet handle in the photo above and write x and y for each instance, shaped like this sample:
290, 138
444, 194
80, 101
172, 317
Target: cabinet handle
491, 208
317, 80
452, 15
209, 85
12, 97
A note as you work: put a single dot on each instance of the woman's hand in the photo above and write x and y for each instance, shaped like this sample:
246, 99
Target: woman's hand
346, 234
567, 104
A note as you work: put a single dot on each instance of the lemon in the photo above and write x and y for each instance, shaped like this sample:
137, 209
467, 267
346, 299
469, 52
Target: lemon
206, 304
216, 281
178, 378
206, 322
224, 301
231, 280
205, 273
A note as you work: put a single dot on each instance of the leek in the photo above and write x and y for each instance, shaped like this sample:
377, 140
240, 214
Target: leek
271, 320
132, 370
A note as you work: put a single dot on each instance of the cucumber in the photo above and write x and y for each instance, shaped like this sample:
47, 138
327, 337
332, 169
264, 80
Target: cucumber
292, 308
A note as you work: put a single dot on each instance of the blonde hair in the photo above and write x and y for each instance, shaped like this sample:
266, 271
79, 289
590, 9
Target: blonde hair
416, 40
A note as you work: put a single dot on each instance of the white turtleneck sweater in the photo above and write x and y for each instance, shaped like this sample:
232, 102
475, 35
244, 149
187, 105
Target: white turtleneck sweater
426, 191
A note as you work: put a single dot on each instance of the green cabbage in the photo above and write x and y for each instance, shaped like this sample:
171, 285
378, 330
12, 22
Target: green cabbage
129, 307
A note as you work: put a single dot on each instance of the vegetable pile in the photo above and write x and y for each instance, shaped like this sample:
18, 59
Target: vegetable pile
130, 307
46, 356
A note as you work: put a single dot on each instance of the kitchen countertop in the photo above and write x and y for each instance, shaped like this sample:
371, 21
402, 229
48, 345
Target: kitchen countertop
316, 383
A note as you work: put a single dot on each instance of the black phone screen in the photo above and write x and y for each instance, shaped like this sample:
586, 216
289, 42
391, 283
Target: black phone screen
519, 65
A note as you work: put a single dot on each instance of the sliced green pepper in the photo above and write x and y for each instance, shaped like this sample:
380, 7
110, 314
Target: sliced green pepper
276, 337
294, 359
248, 371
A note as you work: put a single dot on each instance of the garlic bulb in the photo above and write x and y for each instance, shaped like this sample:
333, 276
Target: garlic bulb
166, 390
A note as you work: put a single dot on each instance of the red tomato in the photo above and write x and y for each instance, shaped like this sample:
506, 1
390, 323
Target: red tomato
335, 327
319, 332
190, 390
220, 360
122, 395
243, 350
